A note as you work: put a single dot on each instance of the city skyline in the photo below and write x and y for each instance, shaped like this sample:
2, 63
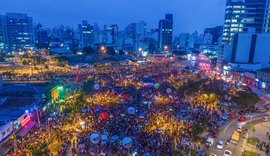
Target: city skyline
187, 19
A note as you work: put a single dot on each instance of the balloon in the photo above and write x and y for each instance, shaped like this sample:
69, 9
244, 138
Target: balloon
96, 86
147, 154
131, 110
95, 138
127, 142
104, 115
168, 90
156, 85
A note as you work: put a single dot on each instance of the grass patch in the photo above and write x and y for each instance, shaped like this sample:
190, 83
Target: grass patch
253, 141
249, 153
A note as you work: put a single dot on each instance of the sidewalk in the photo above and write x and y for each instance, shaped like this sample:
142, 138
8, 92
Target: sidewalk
259, 132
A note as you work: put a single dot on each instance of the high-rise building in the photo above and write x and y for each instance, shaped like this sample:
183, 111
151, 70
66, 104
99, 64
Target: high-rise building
258, 10
131, 37
110, 35
2, 39
183, 40
142, 29
246, 51
18, 31
212, 35
41, 36
165, 32
114, 33
235, 15
97, 34
86, 34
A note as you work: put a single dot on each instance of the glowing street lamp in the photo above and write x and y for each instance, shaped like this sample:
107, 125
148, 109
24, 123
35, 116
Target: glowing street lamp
166, 48
103, 49
140, 50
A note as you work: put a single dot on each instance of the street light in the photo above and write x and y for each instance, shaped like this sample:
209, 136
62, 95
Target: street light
166, 48
103, 49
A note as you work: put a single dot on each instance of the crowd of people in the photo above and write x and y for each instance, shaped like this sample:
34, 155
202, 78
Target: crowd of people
157, 121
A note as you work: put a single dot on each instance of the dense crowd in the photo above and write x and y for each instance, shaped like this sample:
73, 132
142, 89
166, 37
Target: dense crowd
155, 128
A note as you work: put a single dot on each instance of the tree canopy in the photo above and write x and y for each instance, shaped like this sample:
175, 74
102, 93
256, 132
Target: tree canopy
110, 50
204, 86
88, 50
246, 98
121, 52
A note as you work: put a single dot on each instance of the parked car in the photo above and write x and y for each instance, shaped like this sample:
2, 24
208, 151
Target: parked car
209, 142
266, 118
220, 145
227, 153
262, 110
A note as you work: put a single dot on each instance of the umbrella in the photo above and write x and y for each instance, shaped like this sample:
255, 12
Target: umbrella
104, 115
115, 137
95, 138
81, 145
127, 142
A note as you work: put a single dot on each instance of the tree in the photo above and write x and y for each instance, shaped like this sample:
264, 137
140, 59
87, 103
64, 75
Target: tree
176, 152
39, 149
132, 90
42, 45
151, 45
121, 52
197, 129
110, 50
87, 86
8, 74
25, 62
165, 85
246, 99
203, 86
88, 50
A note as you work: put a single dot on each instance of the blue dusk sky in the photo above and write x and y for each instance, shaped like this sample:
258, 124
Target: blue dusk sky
189, 15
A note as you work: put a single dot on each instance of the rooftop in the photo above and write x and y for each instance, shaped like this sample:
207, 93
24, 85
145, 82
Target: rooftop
15, 99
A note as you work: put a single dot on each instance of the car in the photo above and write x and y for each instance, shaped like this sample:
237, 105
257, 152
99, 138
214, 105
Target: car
262, 110
232, 116
220, 145
266, 118
242, 118
227, 153
209, 142
239, 129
